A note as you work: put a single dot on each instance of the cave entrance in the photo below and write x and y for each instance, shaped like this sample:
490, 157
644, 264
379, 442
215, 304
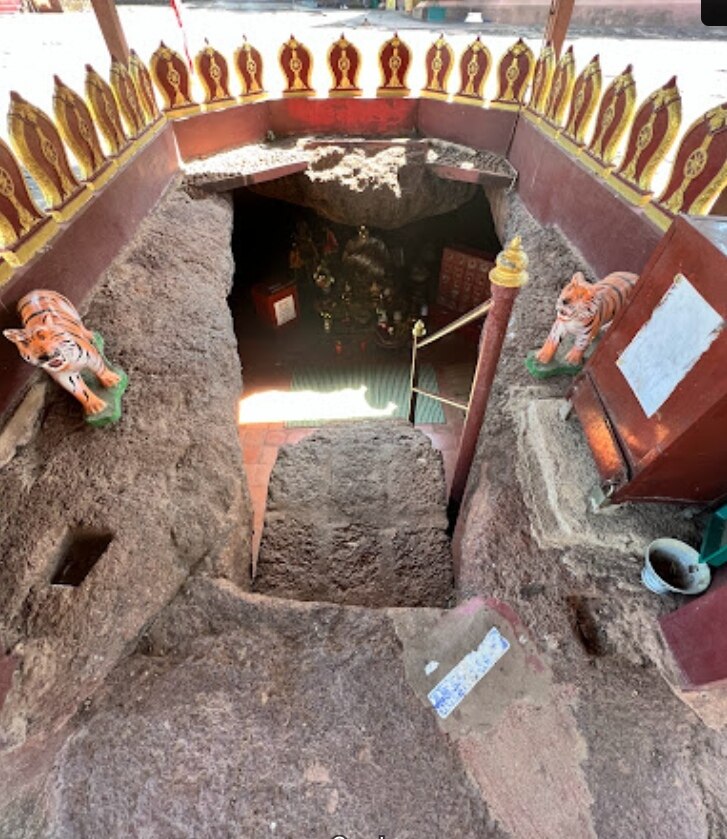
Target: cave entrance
321, 306
324, 297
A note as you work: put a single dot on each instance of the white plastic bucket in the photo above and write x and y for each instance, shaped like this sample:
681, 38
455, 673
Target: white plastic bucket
672, 566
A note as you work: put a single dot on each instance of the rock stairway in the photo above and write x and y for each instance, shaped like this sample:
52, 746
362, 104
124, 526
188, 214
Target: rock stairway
357, 515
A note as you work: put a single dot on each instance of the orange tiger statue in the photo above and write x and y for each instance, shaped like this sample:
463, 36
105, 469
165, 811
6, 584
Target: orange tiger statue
55, 339
582, 310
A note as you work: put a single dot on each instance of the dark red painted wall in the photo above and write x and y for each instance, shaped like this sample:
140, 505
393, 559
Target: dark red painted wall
610, 233
204, 134
483, 128
84, 249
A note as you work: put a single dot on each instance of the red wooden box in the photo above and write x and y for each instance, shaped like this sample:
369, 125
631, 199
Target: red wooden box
276, 303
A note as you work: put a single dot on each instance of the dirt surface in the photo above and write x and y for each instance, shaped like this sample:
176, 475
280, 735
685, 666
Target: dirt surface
357, 514
248, 716
166, 483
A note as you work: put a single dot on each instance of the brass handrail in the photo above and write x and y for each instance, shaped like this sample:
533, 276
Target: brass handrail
418, 333
473, 314
461, 405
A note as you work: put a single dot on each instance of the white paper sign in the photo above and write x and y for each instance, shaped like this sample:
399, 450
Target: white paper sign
284, 310
678, 333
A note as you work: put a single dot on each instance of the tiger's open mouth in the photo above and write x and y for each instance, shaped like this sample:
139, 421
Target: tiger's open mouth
55, 363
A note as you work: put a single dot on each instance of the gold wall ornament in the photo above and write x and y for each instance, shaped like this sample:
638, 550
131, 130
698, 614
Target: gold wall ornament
103, 105
614, 114
394, 64
653, 131
514, 73
699, 173
79, 133
23, 227
561, 89
212, 70
344, 63
249, 66
39, 147
127, 99
542, 79
145, 88
438, 63
474, 68
296, 62
586, 93
171, 76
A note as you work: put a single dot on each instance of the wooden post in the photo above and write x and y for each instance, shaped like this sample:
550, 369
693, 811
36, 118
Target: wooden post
506, 278
108, 21
556, 29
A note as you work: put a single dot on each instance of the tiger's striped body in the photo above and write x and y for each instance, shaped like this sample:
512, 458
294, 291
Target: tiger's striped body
54, 338
583, 309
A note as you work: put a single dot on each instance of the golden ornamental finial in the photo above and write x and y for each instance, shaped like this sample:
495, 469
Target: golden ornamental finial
419, 330
511, 266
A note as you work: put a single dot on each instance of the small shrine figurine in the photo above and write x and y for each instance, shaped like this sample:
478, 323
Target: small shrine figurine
54, 338
582, 310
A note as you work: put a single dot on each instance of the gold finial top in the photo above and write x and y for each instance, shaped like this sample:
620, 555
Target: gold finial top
511, 268
419, 330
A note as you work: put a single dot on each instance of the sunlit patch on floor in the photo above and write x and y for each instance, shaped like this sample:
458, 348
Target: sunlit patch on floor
290, 406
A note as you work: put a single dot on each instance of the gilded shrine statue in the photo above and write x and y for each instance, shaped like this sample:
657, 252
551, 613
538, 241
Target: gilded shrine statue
55, 339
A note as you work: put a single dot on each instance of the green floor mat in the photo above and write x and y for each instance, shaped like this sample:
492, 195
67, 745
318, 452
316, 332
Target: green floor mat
364, 391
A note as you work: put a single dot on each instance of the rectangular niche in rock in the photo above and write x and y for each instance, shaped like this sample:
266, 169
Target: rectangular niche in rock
80, 550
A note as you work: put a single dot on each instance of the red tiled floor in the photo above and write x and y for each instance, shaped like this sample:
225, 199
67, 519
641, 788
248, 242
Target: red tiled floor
258, 474
252, 435
268, 454
251, 453
295, 435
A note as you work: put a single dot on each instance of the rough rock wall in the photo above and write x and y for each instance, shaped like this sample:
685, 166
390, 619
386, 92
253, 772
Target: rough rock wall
386, 188
649, 764
167, 482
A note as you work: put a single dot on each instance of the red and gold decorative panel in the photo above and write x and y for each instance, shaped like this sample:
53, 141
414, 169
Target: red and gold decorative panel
514, 73
542, 79
127, 99
438, 65
561, 89
170, 72
212, 70
614, 114
394, 64
39, 147
700, 169
78, 130
296, 62
474, 67
653, 132
144, 87
249, 66
105, 111
19, 217
344, 62
586, 92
